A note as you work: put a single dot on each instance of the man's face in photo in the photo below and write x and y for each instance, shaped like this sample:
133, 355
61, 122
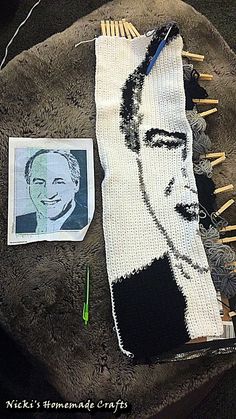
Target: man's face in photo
51, 187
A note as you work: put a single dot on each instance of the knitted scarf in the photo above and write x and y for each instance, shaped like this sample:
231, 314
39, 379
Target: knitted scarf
161, 288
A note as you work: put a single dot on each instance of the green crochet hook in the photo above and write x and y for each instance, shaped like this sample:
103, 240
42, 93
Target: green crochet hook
86, 303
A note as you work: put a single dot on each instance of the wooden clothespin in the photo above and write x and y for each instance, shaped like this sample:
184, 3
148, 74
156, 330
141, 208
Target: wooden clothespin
225, 206
116, 28
218, 161
205, 76
228, 228
205, 101
112, 25
212, 155
193, 57
226, 188
121, 28
136, 32
227, 240
126, 27
108, 30
103, 27
219, 157
209, 112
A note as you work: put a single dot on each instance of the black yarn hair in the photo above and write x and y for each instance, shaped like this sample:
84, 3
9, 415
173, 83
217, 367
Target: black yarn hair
193, 90
132, 89
206, 197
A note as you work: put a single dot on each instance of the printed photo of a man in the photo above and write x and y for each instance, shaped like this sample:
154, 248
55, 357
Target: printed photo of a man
53, 178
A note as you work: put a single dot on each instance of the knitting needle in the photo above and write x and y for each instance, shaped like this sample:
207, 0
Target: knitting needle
86, 303
121, 26
218, 161
158, 51
116, 28
103, 27
226, 188
206, 101
229, 228
209, 112
225, 206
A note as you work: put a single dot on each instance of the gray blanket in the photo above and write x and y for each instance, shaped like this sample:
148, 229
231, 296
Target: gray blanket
48, 91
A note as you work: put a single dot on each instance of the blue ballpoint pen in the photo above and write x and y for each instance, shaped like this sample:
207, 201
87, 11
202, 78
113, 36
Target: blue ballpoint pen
158, 51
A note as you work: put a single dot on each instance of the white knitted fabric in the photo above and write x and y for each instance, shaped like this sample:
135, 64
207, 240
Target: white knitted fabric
134, 234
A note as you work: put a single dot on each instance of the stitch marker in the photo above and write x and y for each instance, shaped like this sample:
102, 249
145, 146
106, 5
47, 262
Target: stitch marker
86, 303
158, 51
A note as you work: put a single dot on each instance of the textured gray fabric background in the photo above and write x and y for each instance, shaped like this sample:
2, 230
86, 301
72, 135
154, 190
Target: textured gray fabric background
48, 91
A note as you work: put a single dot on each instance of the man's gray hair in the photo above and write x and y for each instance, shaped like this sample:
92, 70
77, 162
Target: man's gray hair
71, 160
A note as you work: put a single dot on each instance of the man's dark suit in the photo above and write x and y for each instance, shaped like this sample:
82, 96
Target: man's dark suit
76, 221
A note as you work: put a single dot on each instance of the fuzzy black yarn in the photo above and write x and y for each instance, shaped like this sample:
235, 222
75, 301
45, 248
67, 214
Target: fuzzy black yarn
150, 311
206, 197
193, 90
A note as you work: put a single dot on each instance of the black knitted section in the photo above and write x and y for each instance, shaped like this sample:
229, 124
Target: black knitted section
193, 90
150, 311
206, 197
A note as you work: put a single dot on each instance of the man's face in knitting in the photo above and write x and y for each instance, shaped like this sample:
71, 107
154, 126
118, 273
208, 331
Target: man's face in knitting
51, 187
173, 195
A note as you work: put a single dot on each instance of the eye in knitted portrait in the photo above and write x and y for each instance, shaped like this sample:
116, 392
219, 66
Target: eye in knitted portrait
51, 190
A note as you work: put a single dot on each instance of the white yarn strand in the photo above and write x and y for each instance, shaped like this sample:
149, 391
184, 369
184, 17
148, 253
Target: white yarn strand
17, 31
85, 42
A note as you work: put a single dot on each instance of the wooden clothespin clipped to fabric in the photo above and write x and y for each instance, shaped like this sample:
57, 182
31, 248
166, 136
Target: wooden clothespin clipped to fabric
205, 76
228, 228
120, 28
205, 101
228, 239
209, 112
123, 28
225, 206
86, 302
193, 57
218, 157
227, 188
218, 161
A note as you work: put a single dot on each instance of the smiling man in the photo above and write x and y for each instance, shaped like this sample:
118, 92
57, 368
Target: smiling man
53, 177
